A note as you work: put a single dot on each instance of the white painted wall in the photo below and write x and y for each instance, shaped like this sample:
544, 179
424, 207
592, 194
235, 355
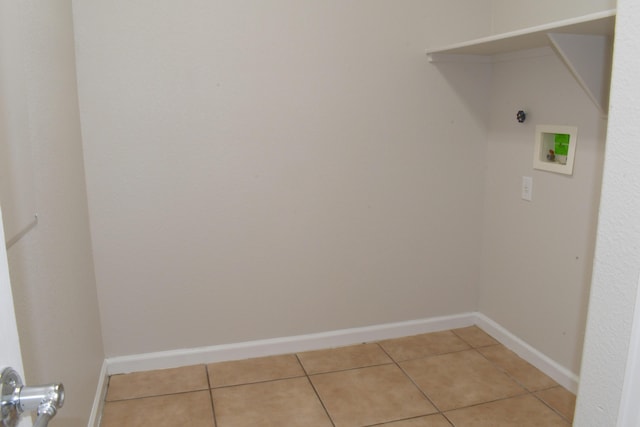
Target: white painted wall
358, 155
259, 169
617, 262
16, 177
509, 15
51, 267
537, 256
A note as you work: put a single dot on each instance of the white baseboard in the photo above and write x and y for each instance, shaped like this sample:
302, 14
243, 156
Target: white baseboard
294, 344
98, 400
559, 373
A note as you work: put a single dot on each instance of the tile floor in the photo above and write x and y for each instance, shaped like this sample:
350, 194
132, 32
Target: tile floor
461, 377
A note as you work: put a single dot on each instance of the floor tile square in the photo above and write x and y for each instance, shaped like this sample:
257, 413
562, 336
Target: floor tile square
423, 345
521, 411
460, 379
158, 382
436, 420
254, 370
185, 409
339, 359
369, 396
521, 370
290, 402
560, 399
475, 336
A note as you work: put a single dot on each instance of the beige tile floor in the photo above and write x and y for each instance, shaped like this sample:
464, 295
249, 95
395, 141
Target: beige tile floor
461, 377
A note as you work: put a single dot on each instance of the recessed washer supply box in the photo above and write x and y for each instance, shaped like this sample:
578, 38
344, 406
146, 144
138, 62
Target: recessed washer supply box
555, 148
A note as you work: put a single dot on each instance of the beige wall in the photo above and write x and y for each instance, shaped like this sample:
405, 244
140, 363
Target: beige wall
16, 177
537, 256
509, 15
259, 170
51, 266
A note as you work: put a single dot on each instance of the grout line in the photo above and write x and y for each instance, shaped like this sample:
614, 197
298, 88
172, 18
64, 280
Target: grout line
533, 394
409, 419
513, 378
525, 390
434, 355
350, 369
306, 373
206, 371
213, 408
447, 418
503, 370
471, 348
550, 406
499, 399
156, 395
411, 379
326, 411
439, 411
106, 392
553, 386
257, 382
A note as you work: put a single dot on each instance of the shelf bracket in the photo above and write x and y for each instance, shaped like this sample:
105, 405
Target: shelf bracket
588, 58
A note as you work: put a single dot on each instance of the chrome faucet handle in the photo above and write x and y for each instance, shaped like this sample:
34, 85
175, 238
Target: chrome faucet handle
17, 398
